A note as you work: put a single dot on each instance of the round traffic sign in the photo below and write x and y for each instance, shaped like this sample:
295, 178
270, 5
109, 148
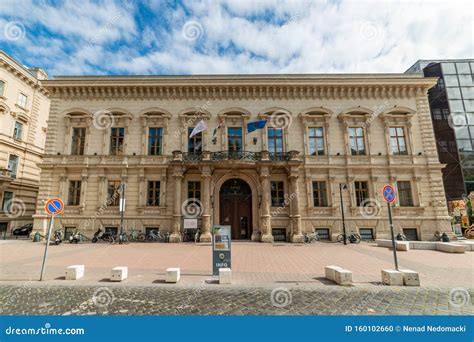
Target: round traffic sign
54, 206
388, 193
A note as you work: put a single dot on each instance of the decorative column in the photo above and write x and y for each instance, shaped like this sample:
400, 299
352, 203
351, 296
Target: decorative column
177, 214
265, 218
206, 203
295, 217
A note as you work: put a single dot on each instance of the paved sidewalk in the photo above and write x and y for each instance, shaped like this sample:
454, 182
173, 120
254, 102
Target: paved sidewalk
253, 264
210, 299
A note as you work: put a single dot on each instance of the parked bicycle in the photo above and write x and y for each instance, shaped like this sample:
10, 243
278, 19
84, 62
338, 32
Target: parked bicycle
352, 238
136, 235
101, 236
122, 238
311, 237
155, 235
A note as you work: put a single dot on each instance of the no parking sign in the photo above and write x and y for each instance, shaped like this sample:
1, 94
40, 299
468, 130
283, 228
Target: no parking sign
54, 206
389, 195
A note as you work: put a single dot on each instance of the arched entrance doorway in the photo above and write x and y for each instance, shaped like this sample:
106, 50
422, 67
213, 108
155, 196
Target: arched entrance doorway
235, 208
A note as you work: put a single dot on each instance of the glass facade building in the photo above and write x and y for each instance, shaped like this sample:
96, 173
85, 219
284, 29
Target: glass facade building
452, 111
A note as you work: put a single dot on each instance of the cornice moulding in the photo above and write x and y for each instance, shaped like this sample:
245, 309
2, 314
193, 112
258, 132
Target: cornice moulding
321, 90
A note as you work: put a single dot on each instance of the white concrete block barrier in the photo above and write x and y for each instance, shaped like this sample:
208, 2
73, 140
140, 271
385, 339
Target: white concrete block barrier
427, 245
343, 277
400, 245
338, 275
329, 272
410, 278
469, 244
119, 273
74, 272
225, 276
392, 277
173, 275
449, 247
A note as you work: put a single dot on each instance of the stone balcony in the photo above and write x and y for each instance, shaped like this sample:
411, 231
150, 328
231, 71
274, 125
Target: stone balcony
235, 156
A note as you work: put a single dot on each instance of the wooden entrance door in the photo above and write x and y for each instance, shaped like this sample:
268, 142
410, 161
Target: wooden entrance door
236, 208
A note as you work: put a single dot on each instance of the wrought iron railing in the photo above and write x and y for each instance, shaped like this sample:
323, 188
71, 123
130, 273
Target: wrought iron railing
279, 156
194, 157
236, 155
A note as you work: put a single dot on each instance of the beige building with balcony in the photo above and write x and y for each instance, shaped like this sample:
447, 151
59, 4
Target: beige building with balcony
275, 183
24, 110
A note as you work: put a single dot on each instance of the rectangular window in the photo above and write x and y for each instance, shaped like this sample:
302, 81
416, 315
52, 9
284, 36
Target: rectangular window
316, 141
22, 100
323, 233
78, 140
397, 141
74, 197
320, 194
153, 197
275, 140
112, 230
194, 143
13, 165
356, 141
2, 88
7, 201
117, 139
366, 233
234, 139
155, 141
361, 192
194, 190
277, 193
279, 234
18, 130
404, 194
113, 193
411, 234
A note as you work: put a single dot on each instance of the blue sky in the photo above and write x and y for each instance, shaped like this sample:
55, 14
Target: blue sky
220, 37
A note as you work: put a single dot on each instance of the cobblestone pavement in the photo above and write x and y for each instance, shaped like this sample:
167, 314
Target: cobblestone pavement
32, 298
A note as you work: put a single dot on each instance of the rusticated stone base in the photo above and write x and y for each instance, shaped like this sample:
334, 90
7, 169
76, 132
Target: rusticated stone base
205, 237
267, 238
297, 238
175, 238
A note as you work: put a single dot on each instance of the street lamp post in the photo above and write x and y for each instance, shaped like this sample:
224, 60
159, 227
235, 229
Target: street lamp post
343, 186
122, 209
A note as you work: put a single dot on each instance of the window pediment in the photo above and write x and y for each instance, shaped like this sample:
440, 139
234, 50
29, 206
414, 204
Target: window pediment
78, 117
397, 115
356, 116
191, 116
316, 115
155, 116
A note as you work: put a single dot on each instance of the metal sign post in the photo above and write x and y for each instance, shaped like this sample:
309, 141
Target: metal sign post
221, 251
389, 196
122, 210
53, 206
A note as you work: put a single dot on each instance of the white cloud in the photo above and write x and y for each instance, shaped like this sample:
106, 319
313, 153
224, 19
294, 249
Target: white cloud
246, 36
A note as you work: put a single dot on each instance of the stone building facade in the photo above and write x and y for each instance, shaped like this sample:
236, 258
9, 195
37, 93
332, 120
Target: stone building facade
24, 110
275, 183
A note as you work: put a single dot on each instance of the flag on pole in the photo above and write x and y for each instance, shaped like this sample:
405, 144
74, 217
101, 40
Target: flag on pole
253, 126
201, 126
214, 133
